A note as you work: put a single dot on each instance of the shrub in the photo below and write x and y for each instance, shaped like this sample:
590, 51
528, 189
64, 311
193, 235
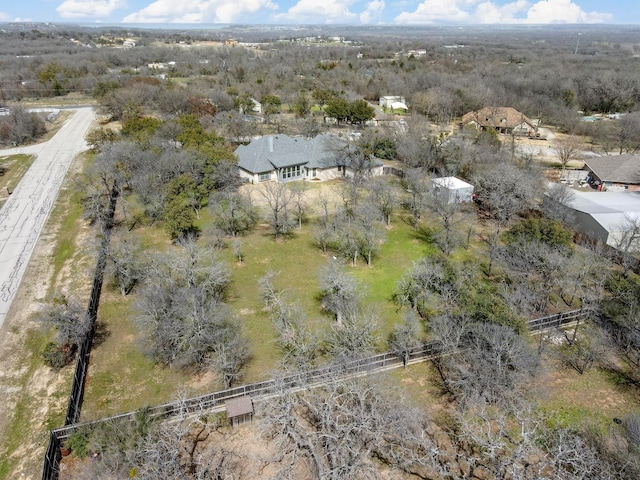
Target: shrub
58, 356
543, 230
78, 442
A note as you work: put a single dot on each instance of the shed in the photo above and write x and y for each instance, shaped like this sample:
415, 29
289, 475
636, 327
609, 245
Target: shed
239, 410
453, 189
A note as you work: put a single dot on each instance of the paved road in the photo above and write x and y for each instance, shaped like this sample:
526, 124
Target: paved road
25, 212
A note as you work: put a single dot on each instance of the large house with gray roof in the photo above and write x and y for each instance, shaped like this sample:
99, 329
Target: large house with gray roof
282, 158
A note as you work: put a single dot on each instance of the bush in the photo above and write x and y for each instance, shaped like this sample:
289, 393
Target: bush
58, 356
543, 230
78, 442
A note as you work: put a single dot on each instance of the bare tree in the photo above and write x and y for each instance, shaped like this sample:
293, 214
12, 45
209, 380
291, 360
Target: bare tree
338, 428
628, 239
506, 190
299, 190
124, 263
417, 184
354, 336
566, 151
487, 362
68, 318
418, 287
586, 349
368, 230
233, 212
238, 251
179, 449
383, 195
575, 458
20, 126
447, 212
339, 290
417, 149
556, 203
406, 335
279, 199
182, 315
539, 268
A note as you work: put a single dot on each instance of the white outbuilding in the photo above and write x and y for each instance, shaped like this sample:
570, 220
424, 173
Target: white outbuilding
452, 189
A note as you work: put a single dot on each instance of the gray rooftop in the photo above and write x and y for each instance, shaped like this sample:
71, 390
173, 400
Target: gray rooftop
609, 209
277, 151
616, 168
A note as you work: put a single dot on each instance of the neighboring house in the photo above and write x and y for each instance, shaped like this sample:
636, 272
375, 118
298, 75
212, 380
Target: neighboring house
451, 189
417, 53
501, 119
605, 216
393, 103
614, 172
256, 107
282, 158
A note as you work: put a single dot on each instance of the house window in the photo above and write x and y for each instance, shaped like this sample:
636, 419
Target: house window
264, 177
291, 172
314, 172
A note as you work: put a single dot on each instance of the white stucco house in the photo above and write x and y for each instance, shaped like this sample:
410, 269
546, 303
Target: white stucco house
283, 158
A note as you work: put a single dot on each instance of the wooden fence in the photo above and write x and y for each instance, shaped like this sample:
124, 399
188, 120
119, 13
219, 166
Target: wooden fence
215, 400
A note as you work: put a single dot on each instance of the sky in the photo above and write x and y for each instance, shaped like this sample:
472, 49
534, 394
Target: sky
353, 12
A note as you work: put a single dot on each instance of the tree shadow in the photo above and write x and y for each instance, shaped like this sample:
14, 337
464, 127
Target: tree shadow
425, 233
101, 333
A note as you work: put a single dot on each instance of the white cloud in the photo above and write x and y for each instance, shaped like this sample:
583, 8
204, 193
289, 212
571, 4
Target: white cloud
373, 11
4, 17
430, 11
563, 11
517, 11
89, 8
198, 11
489, 12
312, 11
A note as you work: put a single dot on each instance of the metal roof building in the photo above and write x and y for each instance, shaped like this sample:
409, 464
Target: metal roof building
604, 215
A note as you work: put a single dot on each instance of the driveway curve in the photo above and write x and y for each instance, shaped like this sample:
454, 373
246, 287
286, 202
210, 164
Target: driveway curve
27, 209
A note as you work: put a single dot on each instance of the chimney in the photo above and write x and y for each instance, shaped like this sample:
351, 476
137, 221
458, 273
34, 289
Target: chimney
270, 144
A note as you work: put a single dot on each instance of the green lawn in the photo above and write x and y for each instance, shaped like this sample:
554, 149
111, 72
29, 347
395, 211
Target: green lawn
122, 378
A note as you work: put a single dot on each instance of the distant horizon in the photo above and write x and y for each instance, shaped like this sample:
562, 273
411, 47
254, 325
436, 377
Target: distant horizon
197, 13
295, 26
